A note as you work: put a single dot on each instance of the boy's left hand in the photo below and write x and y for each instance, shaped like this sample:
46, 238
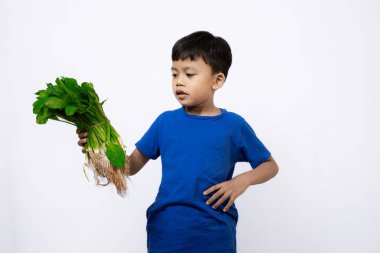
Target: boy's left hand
228, 189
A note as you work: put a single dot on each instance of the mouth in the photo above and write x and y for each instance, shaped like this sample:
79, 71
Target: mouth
179, 92
181, 95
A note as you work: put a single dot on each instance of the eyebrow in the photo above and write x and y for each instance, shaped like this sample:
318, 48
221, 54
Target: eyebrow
185, 68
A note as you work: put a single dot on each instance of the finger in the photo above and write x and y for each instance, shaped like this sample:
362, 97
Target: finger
214, 197
82, 142
82, 134
229, 204
220, 201
211, 189
78, 131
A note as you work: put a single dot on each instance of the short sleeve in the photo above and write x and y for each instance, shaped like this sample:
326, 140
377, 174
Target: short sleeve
250, 148
149, 142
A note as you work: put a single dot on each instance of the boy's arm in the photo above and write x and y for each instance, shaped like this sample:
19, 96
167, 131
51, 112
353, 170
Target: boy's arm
136, 160
236, 186
261, 173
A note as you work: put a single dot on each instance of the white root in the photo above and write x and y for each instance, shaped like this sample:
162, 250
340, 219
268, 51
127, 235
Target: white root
105, 171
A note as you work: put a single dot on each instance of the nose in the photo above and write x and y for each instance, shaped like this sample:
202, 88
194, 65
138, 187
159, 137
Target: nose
179, 81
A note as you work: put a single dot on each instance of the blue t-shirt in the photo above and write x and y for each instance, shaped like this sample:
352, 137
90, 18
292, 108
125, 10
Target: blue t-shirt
196, 152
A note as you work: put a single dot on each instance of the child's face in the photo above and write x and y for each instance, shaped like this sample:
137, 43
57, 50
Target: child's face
196, 80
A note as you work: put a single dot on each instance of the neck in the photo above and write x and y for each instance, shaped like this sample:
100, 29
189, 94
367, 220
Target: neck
202, 111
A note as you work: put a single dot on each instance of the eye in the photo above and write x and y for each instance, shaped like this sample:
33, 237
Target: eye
174, 75
190, 75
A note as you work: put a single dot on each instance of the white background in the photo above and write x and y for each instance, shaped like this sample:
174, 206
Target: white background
305, 75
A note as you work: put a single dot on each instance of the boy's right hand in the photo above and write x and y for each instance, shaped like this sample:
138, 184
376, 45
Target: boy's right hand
82, 139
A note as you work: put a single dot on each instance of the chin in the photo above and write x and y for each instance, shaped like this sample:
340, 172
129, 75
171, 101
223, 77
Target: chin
182, 102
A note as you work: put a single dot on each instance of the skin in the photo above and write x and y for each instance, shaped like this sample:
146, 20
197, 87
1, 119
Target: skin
199, 82
196, 79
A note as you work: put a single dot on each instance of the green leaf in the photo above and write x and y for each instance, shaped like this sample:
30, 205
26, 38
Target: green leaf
55, 90
38, 105
71, 83
116, 155
70, 110
68, 85
55, 103
41, 120
60, 83
88, 88
43, 116
103, 102
41, 93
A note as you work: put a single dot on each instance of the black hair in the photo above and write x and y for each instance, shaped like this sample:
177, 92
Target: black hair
215, 51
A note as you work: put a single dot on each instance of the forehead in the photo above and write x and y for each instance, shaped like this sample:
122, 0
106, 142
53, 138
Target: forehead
198, 64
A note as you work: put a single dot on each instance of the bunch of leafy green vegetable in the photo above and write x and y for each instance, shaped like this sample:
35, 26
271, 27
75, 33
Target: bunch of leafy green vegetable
79, 105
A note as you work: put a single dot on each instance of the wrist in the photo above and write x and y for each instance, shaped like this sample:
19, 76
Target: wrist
245, 180
127, 167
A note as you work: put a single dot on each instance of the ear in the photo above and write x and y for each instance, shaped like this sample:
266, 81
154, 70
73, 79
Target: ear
218, 81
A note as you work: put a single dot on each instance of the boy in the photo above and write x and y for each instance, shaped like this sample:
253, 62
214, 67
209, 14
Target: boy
199, 144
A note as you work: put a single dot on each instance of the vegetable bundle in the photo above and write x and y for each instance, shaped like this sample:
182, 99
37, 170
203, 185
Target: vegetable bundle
79, 105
